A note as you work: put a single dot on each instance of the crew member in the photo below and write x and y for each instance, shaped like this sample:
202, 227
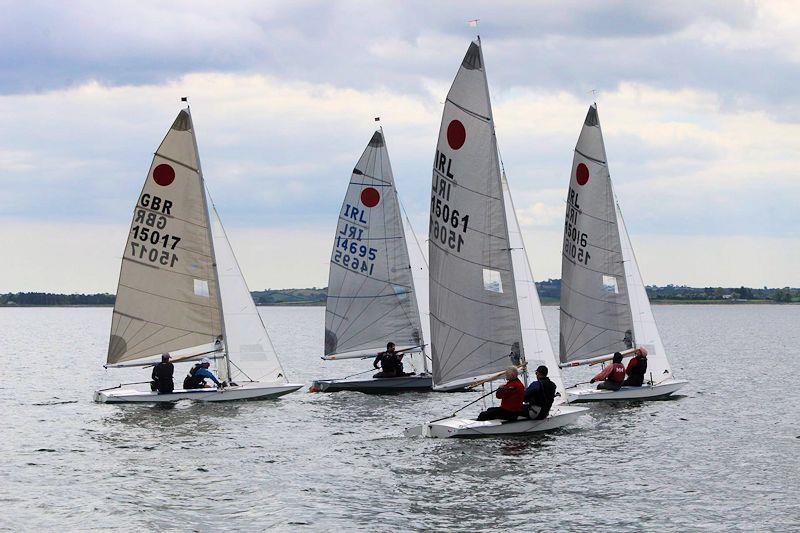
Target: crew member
637, 367
612, 376
511, 395
196, 379
390, 361
539, 395
162, 375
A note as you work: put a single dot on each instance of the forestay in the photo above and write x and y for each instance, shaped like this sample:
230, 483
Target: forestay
371, 298
167, 296
535, 338
645, 331
475, 327
250, 351
595, 311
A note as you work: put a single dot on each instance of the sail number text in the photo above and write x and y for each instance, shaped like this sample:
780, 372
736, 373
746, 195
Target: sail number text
148, 241
575, 240
447, 225
350, 253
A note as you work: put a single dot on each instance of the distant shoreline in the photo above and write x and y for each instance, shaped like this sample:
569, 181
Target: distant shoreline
549, 294
544, 304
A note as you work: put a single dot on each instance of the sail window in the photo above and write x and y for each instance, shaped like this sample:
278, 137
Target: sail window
400, 292
610, 284
252, 348
492, 281
201, 288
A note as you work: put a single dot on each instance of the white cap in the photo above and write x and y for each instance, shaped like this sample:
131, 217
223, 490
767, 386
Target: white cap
205, 361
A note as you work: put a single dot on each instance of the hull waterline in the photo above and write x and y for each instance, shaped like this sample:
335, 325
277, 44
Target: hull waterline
416, 383
248, 391
582, 394
455, 427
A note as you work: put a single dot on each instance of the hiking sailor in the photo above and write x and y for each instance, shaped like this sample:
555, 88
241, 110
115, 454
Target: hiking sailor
539, 395
612, 376
162, 376
196, 379
511, 395
391, 363
637, 367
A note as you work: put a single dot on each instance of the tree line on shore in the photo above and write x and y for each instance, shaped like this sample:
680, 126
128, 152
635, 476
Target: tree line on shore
549, 292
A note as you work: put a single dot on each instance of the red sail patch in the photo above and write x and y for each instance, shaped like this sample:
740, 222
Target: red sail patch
582, 174
164, 174
456, 134
370, 197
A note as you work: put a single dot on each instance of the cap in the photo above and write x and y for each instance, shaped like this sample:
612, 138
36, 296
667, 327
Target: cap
641, 350
205, 361
542, 370
165, 356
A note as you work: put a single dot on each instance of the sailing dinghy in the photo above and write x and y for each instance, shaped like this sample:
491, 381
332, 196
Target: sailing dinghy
371, 297
181, 290
604, 304
484, 308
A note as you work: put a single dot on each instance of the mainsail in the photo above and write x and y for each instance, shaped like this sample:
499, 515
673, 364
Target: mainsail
535, 338
250, 352
595, 309
475, 325
371, 298
645, 330
167, 297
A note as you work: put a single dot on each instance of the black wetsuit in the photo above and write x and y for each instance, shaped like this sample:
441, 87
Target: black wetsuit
636, 372
541, 393
391, 365
162, 377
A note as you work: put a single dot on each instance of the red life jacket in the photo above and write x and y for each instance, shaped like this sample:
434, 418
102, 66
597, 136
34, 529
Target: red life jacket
511, 395
617, 373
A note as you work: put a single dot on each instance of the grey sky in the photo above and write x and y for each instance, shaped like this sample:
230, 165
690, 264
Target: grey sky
696, 100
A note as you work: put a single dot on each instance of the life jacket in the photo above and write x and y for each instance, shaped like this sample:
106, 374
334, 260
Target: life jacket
193, 381
390, 363
617, 374
641, 367
511, 395
544, 397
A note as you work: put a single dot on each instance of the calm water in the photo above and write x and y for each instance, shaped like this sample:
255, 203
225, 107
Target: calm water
723, 456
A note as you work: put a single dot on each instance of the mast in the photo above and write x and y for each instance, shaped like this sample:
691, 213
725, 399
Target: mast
211, 244
414, 287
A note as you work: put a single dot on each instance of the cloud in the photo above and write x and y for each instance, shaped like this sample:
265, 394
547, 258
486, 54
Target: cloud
739, 49
696, 101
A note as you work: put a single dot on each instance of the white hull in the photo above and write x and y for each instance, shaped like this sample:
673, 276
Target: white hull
560, 416
589, 393
416, 383
247, 391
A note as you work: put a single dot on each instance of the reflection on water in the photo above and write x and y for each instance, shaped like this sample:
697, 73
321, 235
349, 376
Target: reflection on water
340, 461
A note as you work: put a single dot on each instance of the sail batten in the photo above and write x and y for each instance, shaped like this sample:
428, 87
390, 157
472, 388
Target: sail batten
475, 323
595, 314
371, 297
